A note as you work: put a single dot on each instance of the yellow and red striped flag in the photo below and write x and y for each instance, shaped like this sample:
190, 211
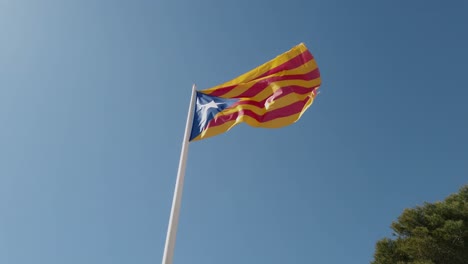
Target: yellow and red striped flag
273, 95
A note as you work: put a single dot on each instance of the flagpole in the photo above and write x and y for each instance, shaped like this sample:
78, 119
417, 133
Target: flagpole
174, 218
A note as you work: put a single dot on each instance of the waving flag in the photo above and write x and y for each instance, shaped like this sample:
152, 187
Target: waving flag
273, 95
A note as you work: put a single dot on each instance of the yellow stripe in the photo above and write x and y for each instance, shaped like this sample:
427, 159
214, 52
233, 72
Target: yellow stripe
266, 66
276, 104
242, 87
275, 123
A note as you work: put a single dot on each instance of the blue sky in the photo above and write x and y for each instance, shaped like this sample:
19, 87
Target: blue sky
93, 102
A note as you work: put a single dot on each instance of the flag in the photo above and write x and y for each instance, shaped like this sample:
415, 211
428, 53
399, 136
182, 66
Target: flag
273, 95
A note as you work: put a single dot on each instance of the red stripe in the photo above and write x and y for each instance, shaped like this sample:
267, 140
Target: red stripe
291, 109
281, 92
293, 63
224, 90
262, 84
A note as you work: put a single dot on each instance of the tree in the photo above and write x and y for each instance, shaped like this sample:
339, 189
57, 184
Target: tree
435, 233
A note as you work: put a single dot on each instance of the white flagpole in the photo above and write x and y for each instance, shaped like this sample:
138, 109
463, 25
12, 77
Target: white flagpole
174, 218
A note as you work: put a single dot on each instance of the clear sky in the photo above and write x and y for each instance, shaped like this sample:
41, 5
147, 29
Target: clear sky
93, 103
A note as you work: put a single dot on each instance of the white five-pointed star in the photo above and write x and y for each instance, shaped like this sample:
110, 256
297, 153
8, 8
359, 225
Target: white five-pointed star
204, 111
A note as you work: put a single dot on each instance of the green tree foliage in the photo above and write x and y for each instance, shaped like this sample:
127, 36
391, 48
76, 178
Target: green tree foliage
435, 233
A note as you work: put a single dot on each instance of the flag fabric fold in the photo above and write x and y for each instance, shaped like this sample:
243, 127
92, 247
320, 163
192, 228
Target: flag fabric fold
273, 95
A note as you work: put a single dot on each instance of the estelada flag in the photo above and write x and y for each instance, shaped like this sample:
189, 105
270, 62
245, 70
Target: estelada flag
273, 95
